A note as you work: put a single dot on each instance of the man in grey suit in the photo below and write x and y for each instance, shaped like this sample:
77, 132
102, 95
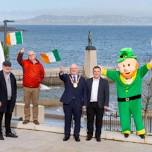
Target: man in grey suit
97, 102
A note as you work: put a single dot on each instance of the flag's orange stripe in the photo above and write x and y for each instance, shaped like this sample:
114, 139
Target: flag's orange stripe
8, 39
44, 58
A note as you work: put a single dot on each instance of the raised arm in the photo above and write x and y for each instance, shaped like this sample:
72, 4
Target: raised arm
20, 57
111, 74
145, 68
62, 75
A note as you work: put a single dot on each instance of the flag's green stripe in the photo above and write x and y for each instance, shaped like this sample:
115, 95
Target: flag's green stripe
56, 55
19, 39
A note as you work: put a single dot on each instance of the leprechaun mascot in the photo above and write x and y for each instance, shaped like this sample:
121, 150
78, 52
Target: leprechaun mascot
128, 79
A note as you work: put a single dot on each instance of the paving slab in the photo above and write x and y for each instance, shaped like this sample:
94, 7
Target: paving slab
41, 141
117, 136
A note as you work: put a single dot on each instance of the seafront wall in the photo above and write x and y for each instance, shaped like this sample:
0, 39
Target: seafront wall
51, 76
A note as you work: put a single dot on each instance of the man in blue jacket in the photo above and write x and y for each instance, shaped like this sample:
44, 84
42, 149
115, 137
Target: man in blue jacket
73, 99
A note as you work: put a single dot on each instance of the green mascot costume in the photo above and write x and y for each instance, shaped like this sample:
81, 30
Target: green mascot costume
128, 79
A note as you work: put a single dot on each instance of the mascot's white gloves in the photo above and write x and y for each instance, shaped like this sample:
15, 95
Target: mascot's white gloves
149, 65
103, 70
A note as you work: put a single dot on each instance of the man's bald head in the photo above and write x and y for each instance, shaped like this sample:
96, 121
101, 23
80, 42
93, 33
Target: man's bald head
74, 69
31, 55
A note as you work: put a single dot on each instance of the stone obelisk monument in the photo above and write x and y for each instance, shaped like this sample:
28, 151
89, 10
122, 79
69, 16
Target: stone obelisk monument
90, 57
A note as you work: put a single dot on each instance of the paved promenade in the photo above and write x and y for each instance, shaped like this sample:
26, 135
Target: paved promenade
39, 141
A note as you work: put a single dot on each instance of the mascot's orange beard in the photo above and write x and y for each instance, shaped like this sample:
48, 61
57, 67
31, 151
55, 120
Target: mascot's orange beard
129, 75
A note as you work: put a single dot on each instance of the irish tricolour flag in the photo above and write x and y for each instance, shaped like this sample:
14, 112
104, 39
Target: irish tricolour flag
14, 38
50, 57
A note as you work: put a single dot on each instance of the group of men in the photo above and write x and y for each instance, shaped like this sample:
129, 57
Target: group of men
91, 94
33, 74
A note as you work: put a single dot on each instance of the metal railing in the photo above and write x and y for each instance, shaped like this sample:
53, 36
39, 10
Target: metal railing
111, 122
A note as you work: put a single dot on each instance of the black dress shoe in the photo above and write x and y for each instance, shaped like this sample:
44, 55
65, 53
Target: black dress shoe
89, 137
98, 139
77, 138
66, 138
12, 135
1, 137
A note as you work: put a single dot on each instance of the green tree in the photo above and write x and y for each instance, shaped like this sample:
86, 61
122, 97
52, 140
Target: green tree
6, 51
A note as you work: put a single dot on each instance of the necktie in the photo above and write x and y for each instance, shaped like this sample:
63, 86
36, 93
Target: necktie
74, 78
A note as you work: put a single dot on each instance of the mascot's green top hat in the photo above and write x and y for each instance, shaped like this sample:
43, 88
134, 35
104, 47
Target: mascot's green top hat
126, 53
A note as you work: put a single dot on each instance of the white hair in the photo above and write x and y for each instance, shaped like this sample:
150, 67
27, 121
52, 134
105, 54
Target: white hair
31, 52
73, 66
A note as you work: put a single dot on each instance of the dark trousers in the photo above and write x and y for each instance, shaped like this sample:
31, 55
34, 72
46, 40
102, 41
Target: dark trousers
8, 117
72, 111
94, 111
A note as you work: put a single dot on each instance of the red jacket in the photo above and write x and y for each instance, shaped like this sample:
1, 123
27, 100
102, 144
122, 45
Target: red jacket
33, 74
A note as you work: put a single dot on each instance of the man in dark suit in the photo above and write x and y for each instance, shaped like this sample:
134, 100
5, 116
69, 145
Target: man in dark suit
8, 92
97, 101
73, 98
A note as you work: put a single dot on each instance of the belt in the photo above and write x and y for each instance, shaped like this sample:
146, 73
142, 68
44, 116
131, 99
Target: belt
129, 98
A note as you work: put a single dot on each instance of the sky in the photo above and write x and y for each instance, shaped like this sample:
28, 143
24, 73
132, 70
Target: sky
29, 8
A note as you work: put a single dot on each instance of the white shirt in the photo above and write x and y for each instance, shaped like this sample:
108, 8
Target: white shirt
94, 90
76, 77
8, 85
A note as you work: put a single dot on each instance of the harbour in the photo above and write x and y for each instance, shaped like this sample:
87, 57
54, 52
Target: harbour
71, 42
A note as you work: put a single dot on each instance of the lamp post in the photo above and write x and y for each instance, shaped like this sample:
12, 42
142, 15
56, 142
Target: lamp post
6, 49
5, 29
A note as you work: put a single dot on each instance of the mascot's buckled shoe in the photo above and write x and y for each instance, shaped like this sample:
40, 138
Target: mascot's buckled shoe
126, 135
142, 136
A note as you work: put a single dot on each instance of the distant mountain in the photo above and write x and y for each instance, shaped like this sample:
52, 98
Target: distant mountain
87, 20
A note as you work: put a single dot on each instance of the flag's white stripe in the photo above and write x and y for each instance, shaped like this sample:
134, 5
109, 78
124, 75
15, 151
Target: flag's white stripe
44, 87
13, 38
1, 55
22, 36
51, 57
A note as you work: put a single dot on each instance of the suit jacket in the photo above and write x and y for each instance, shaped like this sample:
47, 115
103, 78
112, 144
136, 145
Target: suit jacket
103, 92
3, 92
70, 93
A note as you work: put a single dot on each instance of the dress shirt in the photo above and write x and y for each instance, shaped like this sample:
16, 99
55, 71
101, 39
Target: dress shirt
8, 85
94, 90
